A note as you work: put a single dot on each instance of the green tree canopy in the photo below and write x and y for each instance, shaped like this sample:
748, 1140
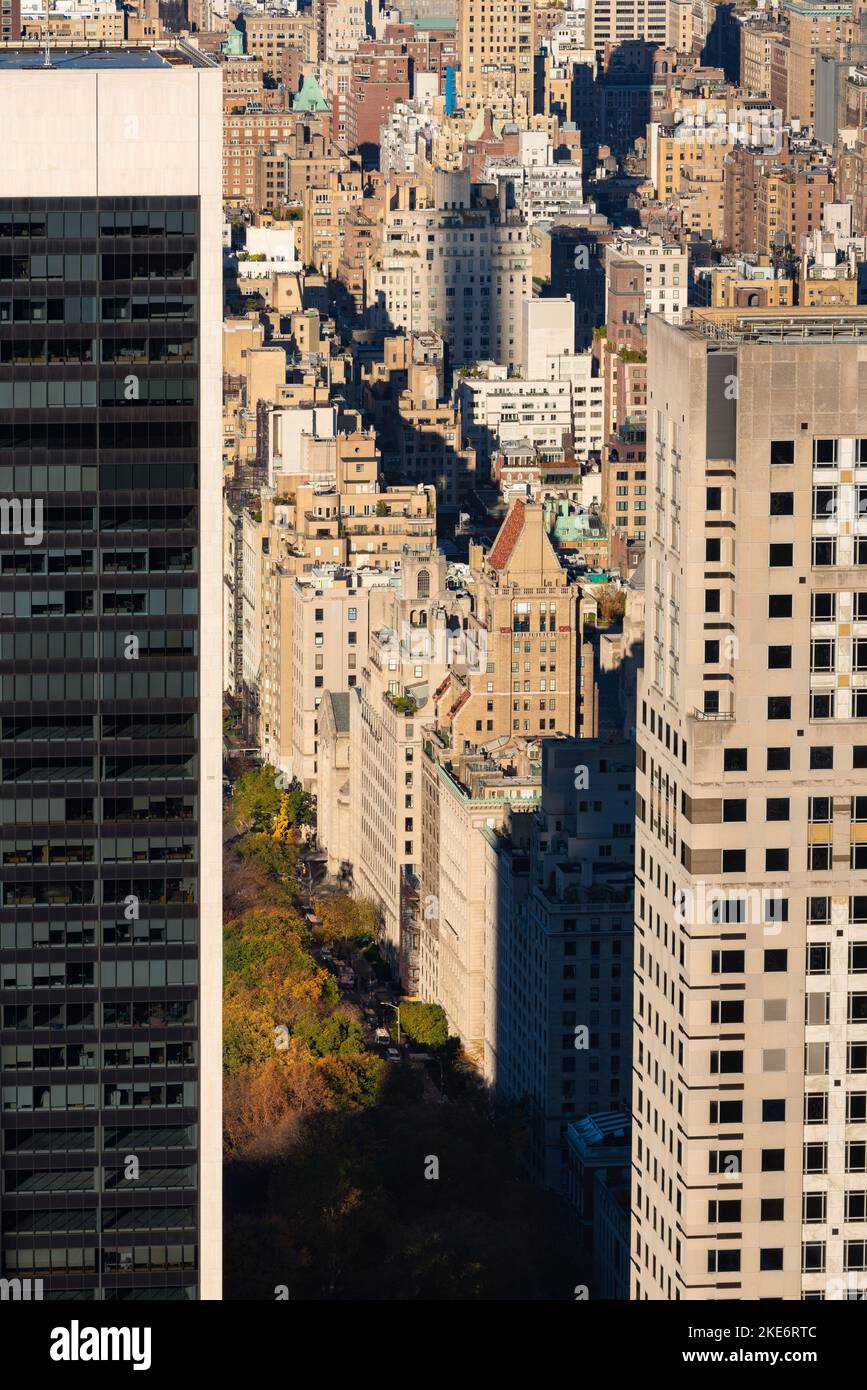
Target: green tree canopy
424, 1024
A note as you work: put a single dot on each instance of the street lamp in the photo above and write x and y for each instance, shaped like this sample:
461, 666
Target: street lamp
396, 1008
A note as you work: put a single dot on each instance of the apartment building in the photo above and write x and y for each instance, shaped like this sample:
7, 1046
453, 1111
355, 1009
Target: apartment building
329, 642
111, 912
461, 799
556, 400
411, 644
461, 268
327, 206
666, 271
526, 615
814, 26
620, 21
757, 40
245, 134
283, 169
496, 45
559, 927
624, 472
750, 1058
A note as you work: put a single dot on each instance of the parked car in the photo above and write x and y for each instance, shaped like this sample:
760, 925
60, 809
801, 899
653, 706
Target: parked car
382, 1036
392, 1054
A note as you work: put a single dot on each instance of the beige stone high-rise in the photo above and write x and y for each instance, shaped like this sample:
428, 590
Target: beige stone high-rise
496, 39
750, 1048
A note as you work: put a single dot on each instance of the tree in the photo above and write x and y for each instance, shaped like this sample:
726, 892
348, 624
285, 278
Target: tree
297, 807
256, 799
278, 857
424, 1024
344, 919
612, 606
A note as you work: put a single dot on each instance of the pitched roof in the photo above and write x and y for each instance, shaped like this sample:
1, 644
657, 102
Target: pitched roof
507, 537
340, 710
310, 97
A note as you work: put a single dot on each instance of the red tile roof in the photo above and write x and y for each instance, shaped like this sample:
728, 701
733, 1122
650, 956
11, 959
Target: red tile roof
507, 537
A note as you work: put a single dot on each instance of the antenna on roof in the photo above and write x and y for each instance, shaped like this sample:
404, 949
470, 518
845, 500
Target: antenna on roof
46, 62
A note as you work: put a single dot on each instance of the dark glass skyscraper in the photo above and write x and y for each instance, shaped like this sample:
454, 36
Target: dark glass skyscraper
103, 799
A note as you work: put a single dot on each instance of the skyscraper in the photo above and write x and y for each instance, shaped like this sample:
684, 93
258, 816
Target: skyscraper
496, 43
110, 746
750, 1054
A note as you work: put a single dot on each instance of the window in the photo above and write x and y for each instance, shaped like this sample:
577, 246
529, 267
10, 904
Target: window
782, 451
711, 653
821, 759
780, 555
734, 809
734, 861
858, 957
856, 1058
855, 1257
856, 1107
782, 503
713, 499
712, 550
734, 760
856, 1156
712, 600
824, 503
772, 1209
776, 860
825, 453
779, 658
726, 1063
773, 1111
812, 1257
821, 704
721, 1261
779, 759
816, 1158
779, 707
726, 1112
823, 608
777, 807
727, 962
726, 1011
815, 1206
779, 605
724, 1211
822, 655
825, 551
816, 1108
773, 1160
775, 961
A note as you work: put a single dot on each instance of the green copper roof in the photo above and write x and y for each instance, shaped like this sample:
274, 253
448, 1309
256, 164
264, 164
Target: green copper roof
478, 125
310, 97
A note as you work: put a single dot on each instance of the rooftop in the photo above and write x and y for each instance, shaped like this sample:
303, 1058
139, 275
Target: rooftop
779, 324
127, 57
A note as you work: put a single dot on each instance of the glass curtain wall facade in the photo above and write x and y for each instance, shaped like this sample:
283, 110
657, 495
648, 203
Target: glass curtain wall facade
99, 703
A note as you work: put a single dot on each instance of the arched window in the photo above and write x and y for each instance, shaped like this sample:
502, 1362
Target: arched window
423, 584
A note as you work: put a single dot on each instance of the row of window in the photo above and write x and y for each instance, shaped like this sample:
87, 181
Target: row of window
163, 1013
89, 223
77, 351
111, 1096
59, 935
73, 395
58, 603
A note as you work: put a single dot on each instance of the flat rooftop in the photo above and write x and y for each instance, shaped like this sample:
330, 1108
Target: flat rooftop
126, 57
775, 324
